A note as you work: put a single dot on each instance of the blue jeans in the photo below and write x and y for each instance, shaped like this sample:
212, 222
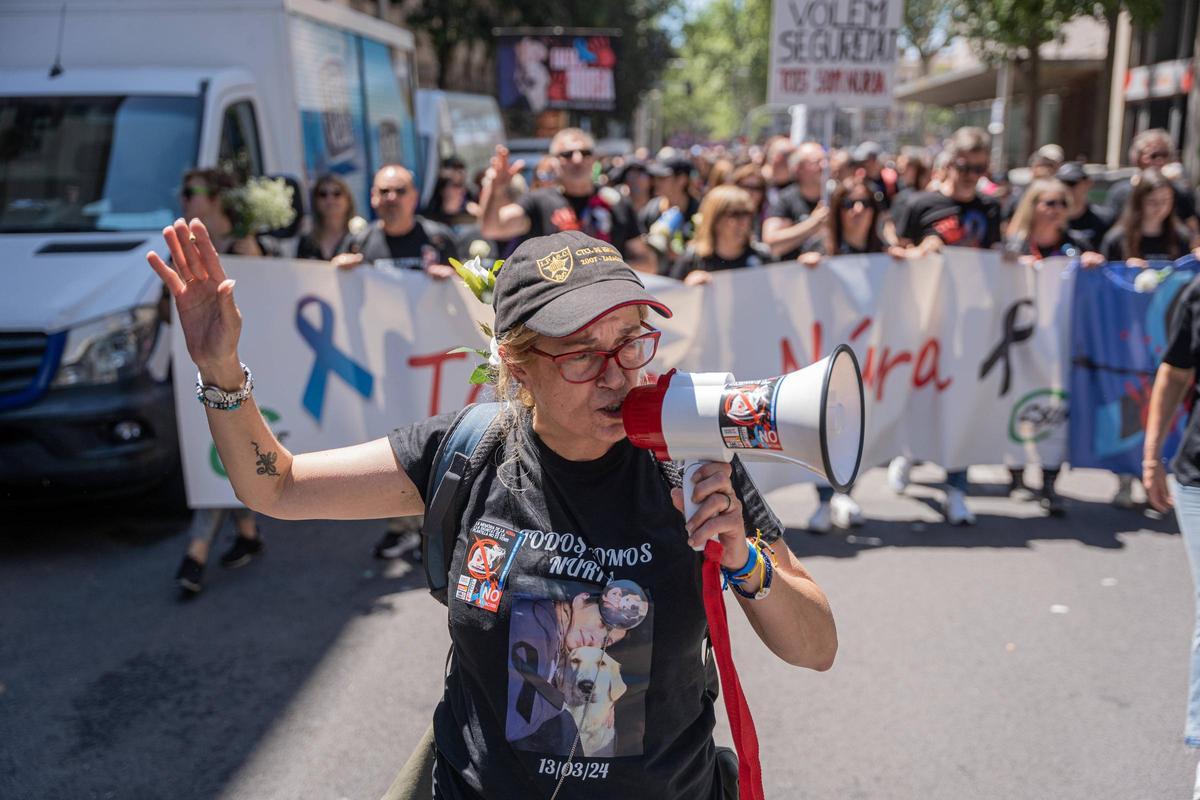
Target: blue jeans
1187, 511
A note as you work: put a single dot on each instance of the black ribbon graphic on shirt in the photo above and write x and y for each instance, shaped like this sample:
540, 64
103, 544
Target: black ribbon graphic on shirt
525, 661
1012, 335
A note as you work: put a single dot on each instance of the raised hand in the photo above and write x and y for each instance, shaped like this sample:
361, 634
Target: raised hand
208, 317
502, 172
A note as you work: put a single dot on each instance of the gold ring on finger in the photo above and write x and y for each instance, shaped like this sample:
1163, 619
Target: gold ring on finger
192, 238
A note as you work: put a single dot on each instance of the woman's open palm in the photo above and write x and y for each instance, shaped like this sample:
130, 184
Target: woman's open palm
210, 320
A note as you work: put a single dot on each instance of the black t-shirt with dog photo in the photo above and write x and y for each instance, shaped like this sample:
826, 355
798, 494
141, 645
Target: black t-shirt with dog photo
575, 610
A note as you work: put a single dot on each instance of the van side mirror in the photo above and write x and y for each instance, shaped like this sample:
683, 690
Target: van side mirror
297, 206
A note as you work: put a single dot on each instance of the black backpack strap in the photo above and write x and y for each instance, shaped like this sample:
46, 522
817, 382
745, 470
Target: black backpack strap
454, 465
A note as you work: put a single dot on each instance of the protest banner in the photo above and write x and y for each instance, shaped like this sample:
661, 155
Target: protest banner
557, 69
1118, 337
964, 356
827, 53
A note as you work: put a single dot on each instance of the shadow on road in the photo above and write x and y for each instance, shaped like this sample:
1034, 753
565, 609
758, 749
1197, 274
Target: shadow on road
112, 686
1091, 523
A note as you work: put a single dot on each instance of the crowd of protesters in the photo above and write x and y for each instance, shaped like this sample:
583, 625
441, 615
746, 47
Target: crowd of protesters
688, 213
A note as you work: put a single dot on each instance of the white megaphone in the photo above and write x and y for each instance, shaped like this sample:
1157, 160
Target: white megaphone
813, 417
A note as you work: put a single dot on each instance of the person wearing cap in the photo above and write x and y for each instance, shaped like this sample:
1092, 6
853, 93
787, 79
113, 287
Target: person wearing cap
798, 213
1087, 221
561, 510
574, 204
668, 219
633, 181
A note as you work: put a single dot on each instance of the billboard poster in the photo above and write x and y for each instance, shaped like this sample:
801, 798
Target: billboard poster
562, 71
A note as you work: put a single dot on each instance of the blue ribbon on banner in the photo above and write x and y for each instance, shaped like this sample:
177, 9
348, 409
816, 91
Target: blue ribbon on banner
328, 358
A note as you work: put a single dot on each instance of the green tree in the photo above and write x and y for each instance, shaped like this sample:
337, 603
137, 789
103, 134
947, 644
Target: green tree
925, 28
721, 72
1007, 31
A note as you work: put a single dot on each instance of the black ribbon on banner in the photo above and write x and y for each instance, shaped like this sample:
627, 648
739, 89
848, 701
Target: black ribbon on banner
1012, 335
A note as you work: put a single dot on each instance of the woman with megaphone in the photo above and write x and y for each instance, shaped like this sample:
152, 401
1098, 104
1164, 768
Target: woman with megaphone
560, 685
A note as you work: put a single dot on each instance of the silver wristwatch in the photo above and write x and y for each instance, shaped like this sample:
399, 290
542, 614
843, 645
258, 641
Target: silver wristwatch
218, 398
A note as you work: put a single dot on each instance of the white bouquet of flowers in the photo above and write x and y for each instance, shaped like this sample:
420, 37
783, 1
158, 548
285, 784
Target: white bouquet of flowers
261, 204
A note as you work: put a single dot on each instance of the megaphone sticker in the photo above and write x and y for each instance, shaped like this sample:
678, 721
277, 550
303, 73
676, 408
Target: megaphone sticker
746, 415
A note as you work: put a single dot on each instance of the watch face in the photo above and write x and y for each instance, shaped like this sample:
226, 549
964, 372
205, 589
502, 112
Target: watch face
214, 395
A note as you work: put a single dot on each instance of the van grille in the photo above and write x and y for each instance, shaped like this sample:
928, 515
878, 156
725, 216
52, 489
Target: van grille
21, 358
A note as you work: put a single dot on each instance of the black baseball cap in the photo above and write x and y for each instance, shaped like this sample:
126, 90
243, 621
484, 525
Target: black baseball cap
1071, 173
559, 284
668, 167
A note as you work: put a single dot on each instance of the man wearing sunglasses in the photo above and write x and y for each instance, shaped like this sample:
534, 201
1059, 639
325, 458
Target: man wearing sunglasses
575, 203
956, 214
1153, 149
400, 239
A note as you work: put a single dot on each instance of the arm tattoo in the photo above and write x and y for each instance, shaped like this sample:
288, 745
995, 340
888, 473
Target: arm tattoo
266, 461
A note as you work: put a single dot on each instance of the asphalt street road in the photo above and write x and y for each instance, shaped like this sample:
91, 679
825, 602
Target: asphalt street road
1023, 658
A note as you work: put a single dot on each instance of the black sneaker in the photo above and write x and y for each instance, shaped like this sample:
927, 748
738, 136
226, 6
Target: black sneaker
1052, 503
395, 544
190, 576
242, 551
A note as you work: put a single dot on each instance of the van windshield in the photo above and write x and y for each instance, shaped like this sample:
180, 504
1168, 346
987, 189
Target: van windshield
94, 163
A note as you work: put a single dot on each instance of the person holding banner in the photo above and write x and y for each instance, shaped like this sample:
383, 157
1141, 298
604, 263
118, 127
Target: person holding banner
400, 239
955, 214
575, 597
724, 238
1148, 229
332, 205
205, 196
1154, 149
1039, 230
798, 213
1173, 382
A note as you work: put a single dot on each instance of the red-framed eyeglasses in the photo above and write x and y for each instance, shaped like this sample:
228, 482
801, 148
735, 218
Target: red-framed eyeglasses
584, 366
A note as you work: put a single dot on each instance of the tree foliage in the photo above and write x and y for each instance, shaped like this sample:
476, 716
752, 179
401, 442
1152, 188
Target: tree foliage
721, 72
925, 28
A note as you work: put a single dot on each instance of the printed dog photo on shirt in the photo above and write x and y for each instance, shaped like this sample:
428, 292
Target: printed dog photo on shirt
578, 665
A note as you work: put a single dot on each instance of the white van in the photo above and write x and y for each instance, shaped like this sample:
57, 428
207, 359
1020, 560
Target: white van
94, 141
468, 126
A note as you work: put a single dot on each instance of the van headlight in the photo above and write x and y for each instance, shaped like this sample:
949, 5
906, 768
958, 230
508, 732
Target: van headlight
108, 349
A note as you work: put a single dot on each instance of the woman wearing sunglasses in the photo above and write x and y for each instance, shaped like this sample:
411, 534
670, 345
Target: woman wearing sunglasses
332, 207
548, 694
1039, 229
724, 239
1040, 226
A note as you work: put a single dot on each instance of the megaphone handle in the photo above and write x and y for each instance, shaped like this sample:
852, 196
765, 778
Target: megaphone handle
690, 506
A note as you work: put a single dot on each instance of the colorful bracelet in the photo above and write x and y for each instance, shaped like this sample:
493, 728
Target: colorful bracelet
752, 556
768, 562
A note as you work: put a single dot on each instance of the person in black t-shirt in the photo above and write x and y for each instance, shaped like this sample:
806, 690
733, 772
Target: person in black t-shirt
1088, 221
1039, 228
575, 204
667, 221
954, 215
798, 213
1154, 149
576, 602
400, 239
1148, 230
1174, 385
724, 238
